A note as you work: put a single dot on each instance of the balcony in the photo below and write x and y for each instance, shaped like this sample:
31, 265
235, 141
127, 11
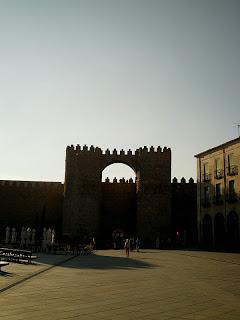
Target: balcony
218, 199
232, 170
205, 202
219, 174
206, 177
232, 197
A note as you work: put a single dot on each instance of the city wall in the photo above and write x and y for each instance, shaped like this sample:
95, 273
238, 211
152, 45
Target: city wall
31, 204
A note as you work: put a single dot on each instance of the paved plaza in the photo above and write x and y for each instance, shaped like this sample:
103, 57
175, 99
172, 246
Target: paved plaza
151, 284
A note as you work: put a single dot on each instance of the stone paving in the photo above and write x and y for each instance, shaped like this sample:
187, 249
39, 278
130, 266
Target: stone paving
15, 273
150, 285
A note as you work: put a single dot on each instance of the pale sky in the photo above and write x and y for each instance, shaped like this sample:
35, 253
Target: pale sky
115, 74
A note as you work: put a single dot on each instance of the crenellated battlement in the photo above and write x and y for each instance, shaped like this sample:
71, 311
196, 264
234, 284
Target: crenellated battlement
145, 150
183, 181
122, 180
83, 149
30, 184
140, 151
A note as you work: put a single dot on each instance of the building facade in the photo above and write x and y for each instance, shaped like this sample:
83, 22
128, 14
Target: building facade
218, 195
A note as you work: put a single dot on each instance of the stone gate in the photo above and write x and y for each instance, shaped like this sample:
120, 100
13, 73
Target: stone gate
83, 195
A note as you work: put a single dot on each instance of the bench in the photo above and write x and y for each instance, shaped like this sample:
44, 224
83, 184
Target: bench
24, 255
15, 255
3, 264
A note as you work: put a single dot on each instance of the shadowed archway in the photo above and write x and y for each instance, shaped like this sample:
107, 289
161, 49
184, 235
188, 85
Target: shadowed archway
118, 205
233, 229
207, 231
219, 231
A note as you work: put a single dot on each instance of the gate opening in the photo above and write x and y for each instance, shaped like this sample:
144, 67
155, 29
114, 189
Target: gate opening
118, 205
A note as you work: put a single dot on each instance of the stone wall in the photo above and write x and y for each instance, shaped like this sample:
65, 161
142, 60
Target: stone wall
150, 207
30, 204
184, 212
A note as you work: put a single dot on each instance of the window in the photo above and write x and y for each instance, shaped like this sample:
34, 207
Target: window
217, 164
205, 169
206, 193
206, 175
232, 169
218, 170
230, 160
205, 200
218, 190
218, 194
231, 187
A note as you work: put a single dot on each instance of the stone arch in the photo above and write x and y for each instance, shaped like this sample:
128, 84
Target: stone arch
82, 189
109, 159
219, 230
118, 205
110, 163
126, 172
129, 159
233, 229
118, 209
207, 230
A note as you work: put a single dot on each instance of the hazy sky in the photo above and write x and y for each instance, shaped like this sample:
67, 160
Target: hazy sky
118, 74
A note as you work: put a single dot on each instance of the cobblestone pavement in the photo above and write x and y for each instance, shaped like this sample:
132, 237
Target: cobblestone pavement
149, 285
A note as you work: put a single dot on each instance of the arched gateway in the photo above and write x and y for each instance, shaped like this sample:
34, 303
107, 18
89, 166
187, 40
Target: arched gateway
83, 190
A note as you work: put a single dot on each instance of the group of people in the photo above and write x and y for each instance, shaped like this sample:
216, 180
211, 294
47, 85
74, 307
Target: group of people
130, 244
48, 238
27, 237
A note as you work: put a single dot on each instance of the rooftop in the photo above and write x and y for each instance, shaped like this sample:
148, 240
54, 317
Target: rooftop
219, 147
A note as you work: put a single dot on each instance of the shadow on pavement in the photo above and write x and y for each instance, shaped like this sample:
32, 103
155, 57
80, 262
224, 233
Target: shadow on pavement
92, 261
5, 274
105, 262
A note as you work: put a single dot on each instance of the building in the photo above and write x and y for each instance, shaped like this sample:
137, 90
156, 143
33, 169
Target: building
218, 195
150, 207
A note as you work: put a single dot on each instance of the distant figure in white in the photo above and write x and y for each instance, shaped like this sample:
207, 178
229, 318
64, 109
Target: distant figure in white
49, 236
53, 237
14, 235
7, 234
23, 237
127, 246
44, 241
28, 237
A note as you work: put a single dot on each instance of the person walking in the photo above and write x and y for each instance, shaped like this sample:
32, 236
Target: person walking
127, 247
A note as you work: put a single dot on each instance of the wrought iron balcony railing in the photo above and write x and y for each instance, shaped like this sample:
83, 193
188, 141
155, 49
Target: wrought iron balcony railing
232, 170
206, 177
218, 199
205, 202
219, 174
232, 197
